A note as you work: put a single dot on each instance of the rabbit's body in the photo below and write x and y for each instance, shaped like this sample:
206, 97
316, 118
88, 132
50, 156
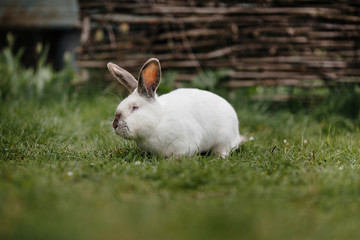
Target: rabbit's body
182, 130
182, 122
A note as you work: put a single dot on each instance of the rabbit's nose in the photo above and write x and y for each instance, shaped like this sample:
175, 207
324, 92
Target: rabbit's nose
115, 124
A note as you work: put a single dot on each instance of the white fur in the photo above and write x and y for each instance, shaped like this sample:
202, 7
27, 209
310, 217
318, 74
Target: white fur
182, 122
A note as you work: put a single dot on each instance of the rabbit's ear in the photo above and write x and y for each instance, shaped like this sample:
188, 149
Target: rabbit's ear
123, 76
149, 78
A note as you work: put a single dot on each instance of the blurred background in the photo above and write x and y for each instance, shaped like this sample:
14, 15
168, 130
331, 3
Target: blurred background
293, 46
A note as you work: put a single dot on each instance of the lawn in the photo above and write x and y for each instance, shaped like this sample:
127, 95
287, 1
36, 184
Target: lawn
65, 175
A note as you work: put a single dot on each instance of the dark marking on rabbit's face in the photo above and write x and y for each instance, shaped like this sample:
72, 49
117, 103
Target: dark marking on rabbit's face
116, 120
120, 126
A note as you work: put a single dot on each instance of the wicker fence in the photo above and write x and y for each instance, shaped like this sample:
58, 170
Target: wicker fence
301, 43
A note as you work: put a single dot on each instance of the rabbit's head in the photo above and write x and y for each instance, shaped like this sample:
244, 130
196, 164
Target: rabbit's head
137, 115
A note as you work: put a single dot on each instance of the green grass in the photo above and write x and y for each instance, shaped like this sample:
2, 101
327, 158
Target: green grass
65, 175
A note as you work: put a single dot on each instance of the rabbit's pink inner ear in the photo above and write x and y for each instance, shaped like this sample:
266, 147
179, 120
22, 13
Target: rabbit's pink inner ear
151, 76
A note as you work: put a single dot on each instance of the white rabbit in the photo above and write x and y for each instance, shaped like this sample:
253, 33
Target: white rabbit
182, 122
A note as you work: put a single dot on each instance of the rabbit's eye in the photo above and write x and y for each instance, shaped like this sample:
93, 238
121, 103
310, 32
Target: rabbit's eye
135, 108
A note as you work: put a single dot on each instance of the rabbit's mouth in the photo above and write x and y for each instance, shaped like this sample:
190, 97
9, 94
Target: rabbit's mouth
122, 129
